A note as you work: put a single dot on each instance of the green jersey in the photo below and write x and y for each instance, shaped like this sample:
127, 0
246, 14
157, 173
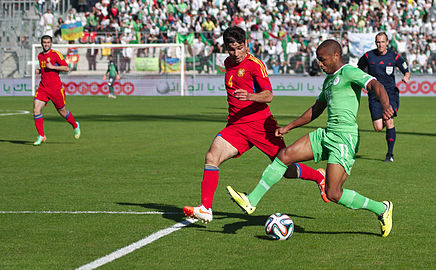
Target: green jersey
341, 91
112, 69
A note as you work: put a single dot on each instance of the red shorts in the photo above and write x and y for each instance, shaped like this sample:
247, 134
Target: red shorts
258, 133
56, 96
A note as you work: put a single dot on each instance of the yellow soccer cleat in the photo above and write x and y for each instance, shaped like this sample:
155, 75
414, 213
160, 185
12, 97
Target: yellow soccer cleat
241, 200
385, 219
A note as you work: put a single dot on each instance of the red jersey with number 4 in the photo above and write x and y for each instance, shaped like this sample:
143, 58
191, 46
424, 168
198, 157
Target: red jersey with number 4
249, 75
49, 77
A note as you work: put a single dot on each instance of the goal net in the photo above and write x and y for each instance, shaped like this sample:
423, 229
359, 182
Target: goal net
144, 69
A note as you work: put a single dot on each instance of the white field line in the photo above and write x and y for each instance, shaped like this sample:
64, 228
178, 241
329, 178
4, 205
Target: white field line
12, 112
92, 212
134, 246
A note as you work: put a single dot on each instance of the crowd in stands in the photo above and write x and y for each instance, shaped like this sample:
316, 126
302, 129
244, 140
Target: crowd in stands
284, 34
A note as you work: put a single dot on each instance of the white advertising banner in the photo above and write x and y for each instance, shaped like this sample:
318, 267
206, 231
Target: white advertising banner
200, 85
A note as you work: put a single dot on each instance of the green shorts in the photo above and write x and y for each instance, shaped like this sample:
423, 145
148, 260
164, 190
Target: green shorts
335, 147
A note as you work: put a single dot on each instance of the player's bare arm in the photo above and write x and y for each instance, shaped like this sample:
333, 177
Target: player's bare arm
265, 96
406, 77
38, 71
59, 68
380, 91
308, 116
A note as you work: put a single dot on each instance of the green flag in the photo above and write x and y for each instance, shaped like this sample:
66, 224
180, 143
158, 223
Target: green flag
205, 40
181, 38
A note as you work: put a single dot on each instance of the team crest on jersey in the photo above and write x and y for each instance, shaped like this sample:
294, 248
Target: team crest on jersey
389, 70
405, 65
241, 72
336, 81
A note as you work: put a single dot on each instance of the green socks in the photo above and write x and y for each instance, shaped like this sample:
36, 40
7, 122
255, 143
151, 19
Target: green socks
272, 174
354, 200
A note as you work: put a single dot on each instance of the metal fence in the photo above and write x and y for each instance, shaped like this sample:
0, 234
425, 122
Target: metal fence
25, 8
19, 28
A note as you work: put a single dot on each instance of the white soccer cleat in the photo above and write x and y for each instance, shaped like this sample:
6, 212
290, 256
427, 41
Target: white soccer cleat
199, 212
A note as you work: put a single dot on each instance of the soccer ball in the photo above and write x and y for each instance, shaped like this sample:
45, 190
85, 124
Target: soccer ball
279, 226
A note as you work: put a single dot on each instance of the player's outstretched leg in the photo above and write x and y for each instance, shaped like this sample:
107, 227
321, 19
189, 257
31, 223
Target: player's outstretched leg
77, 131
385, 219
40, 140
200, 212
353, 200
241, 200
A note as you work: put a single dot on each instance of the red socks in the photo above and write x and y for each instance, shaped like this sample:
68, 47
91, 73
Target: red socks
39, 120
307, 173
70, 119
209, 185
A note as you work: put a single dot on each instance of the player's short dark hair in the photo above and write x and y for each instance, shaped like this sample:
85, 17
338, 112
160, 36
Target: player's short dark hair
46, 37
380, 34
234, 34
331, 45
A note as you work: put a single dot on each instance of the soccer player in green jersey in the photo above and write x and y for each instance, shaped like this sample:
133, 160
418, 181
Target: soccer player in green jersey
337, 143
112, 71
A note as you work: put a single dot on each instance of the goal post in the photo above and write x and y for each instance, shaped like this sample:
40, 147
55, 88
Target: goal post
147, 68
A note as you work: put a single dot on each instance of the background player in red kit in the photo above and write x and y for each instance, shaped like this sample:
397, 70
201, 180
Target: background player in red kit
51, 62
250, 122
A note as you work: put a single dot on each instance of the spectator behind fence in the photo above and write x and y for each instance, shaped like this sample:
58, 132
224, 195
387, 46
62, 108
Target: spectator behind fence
47, 21
291, 52
91, 56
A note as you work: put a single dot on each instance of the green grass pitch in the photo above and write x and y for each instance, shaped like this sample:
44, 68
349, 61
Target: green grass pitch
147, 153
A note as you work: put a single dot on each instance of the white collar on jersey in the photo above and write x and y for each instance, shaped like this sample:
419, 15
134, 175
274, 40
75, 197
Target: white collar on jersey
340, 69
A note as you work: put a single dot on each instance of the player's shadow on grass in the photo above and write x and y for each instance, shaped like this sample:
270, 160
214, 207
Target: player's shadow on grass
31, 142
232, 228
298, 229
176, 214
368, 158
171, 212
16, 141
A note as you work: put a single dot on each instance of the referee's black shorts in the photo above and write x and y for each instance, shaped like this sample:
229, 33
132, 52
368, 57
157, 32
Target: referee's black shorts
376, 108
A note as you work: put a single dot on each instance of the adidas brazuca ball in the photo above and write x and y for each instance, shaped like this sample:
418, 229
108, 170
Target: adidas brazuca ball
279, 226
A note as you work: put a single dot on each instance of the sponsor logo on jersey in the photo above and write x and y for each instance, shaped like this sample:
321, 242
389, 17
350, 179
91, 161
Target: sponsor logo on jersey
336, 81
405, 65
241, 72
389, 70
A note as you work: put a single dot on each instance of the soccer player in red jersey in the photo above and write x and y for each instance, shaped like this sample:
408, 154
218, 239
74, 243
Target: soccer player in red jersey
51, 62
250, 123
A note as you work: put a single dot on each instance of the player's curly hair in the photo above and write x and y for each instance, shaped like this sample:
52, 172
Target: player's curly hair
234, 34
